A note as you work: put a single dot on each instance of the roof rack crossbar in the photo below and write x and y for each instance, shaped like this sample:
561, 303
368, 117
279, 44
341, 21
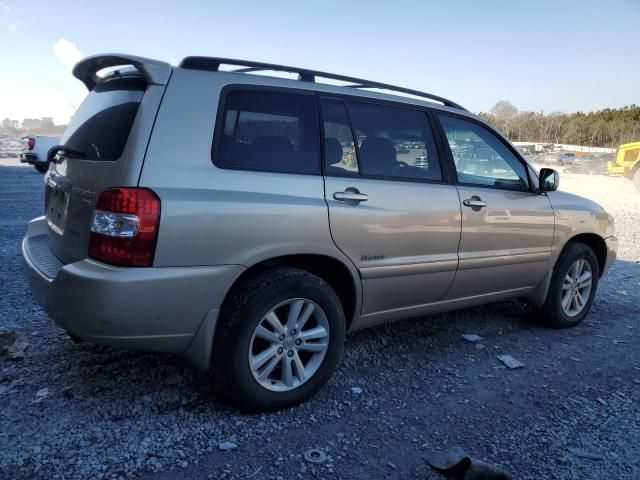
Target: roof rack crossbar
304, 74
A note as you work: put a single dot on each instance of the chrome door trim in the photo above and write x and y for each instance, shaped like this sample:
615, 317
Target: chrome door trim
445, 263
471, 260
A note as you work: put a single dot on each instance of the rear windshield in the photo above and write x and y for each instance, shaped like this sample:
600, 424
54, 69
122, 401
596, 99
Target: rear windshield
101, 126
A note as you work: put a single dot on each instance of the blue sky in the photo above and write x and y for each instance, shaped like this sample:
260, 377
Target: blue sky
541, 55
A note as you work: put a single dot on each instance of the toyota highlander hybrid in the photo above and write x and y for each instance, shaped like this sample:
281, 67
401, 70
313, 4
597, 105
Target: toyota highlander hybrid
247, 222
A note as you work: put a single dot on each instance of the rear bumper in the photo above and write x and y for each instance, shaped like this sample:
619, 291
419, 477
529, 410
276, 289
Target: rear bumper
157, 309
31, 159
612, 252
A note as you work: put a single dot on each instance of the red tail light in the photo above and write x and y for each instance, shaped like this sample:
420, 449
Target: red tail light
124, 227
31, 142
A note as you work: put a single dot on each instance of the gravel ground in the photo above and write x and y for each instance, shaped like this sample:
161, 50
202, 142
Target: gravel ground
572, 412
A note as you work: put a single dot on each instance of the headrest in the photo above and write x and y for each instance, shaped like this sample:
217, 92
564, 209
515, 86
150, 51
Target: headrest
332, 151
377, 155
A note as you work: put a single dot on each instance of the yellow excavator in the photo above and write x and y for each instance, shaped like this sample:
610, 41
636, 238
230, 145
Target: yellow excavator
627, 162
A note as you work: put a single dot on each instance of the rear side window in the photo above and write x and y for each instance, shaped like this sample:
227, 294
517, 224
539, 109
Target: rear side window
394, 142
269, 131
101, 126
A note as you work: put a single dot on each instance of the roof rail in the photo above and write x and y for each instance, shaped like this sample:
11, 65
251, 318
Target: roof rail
305, 75
153, 71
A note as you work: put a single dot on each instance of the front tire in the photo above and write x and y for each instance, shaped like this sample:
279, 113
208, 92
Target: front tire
280, 337
572, 289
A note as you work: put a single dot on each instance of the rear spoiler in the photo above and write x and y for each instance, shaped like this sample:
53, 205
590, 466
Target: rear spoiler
153, 71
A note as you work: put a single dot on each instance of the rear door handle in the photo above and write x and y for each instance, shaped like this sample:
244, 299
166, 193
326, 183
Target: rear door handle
474, 202
351, 195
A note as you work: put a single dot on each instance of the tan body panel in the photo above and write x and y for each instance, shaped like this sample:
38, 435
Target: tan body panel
506, 244
403, 239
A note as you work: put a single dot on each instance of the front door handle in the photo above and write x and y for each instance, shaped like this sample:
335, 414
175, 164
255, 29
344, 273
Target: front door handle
351, 195
474, 202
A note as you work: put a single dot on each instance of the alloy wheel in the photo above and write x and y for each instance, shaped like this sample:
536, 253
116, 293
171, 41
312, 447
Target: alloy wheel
576, 287
288, 344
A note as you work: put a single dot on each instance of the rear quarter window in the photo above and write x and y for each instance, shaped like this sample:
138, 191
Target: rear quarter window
101, 126
269, 131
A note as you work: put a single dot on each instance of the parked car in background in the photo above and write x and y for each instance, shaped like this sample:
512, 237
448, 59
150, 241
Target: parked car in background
212, 214
35, 149
593, 164
605, 156
560, 159
10, 146
422, 162
627, 162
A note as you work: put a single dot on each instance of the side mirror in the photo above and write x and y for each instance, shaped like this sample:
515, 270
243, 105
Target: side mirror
549, 180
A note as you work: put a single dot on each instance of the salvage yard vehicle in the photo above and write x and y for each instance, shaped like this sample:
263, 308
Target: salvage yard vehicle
627, 162
593, 164
565, 158
247, 222
35, 149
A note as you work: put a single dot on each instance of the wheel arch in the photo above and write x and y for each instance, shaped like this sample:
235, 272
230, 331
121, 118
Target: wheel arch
596, 243
335, 272
593, 241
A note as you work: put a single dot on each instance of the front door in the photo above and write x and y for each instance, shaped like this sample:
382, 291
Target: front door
389, 210
507, 229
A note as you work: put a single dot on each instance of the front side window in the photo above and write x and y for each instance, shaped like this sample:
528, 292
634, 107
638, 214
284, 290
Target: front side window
269, 131
481, 158
394, 142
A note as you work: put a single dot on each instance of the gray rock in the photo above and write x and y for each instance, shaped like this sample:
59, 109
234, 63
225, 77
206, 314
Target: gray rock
471, 337
510, 362
227, 446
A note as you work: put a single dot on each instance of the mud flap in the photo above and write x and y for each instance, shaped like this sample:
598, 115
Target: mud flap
198, 353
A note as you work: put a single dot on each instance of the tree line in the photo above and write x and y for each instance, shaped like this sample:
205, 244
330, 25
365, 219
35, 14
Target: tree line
31, 126
609, 127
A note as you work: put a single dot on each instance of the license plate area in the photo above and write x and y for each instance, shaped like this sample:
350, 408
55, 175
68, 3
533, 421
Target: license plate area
57, 206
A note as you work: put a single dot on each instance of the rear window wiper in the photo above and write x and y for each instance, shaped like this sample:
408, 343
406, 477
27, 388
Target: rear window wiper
69, 151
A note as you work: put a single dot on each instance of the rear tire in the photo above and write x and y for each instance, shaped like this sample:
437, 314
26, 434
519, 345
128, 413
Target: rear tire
42, 168
575, 278
300, 366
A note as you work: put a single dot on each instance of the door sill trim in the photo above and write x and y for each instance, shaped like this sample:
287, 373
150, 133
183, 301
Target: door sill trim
376, 318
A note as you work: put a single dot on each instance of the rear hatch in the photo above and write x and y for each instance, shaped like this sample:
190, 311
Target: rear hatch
105, 145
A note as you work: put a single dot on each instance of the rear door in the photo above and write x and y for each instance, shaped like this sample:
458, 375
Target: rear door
106, 141
390, 211
507, 228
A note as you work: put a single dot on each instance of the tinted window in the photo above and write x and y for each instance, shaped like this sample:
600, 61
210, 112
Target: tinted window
339, 148
101, 125
394, 142
481, 158
271, 131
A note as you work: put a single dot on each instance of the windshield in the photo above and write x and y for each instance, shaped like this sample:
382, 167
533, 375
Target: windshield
101, 126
